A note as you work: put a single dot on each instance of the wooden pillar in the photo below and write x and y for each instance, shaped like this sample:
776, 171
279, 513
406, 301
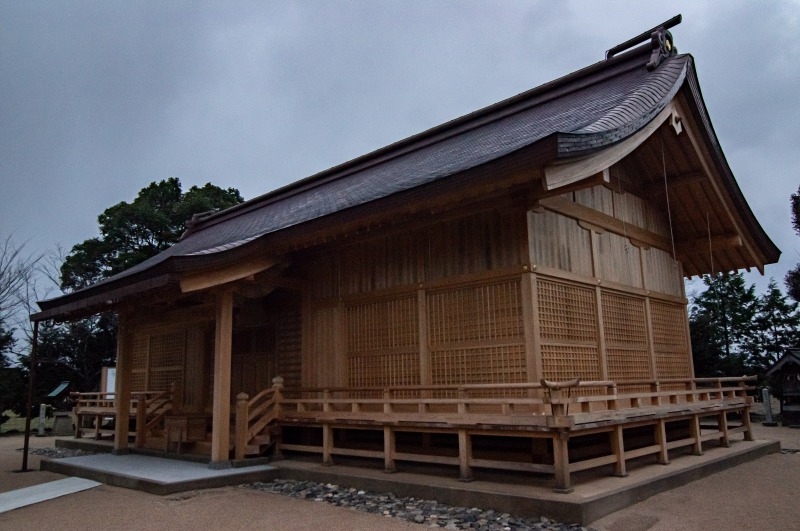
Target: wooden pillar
425, 370
618, 447
724, 439
651, 346
697, 447
530, 317
327, 444
223, 339
661, 440
388, 450
464, 456
122, 387
748, 431
601, 334
561, 462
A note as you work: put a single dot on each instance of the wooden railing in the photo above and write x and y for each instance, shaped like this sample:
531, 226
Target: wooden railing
254, 415
148, 408
151, 408
535, 401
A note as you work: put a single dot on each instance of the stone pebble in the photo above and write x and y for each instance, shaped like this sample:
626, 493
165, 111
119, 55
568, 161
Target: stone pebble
429, 513
58, 453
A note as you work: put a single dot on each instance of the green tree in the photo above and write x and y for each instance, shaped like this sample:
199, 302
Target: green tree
129, 234
792, 279
721, 325
776, 327
133, 232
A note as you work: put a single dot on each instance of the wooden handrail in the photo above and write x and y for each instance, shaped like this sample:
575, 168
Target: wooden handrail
253, 415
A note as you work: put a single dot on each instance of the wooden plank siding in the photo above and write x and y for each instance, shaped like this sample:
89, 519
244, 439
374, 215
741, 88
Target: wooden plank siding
445, 303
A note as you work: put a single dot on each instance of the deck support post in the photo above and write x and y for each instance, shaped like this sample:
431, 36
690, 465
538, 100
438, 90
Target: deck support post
661, 439
618, 447
748, 431
327, 444
697, 447
561, 462
122, 390
722, 423
221, 425
388, 450
464, 456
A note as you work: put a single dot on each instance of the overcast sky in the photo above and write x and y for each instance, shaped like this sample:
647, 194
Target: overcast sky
98, 99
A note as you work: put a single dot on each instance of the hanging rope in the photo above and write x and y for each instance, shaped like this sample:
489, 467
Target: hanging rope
666, 192
621, 215
710, 250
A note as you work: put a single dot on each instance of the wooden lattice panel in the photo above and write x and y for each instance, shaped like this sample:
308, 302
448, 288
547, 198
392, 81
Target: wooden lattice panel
562, 362
167, 353
489, 312
670, 341
383, 343
139, 351
558, 242
626, 364
377, 326
669, 326
381, 370
624, 320
505, 364
289, 347
567, 312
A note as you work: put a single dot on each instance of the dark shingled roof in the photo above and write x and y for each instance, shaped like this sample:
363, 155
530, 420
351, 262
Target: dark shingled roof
585, 111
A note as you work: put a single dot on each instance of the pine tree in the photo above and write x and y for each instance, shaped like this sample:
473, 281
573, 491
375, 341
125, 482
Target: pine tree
721, 324
776, 328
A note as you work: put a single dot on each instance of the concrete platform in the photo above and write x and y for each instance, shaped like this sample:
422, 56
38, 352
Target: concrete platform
594, 496
154, 474
596, 493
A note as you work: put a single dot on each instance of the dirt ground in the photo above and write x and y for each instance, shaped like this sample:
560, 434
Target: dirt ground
756, 495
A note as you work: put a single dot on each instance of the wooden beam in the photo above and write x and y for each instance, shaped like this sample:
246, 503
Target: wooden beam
656, 187
223, 339
574, 170
718, 242
593, 217
195, 281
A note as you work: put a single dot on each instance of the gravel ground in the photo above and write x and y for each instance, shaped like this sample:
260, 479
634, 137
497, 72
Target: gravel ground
58, 453
426, 512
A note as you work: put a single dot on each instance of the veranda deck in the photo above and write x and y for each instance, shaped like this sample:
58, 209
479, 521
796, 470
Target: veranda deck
485, 426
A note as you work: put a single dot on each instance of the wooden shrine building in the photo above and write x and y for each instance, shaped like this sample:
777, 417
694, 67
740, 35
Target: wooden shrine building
502, 291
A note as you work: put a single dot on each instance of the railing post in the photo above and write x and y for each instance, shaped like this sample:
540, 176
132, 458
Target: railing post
655, 388
141, 420
242, 417
462, 401
326, 400
612, 403
387, 401
277, 385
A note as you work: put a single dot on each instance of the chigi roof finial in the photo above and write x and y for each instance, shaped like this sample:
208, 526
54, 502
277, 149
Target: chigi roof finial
660, 39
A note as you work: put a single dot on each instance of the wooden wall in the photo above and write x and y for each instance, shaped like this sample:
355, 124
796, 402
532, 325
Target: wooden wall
610, 302
445, 303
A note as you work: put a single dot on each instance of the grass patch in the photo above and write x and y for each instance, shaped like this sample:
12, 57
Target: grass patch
16, 424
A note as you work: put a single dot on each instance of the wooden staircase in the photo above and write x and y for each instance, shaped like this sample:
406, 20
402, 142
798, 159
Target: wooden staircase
255, 429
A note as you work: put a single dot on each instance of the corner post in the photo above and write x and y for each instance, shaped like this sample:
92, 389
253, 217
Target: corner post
223, 339
122, 387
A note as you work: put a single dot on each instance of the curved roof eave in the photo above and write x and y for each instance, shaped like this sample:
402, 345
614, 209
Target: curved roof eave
766, 246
